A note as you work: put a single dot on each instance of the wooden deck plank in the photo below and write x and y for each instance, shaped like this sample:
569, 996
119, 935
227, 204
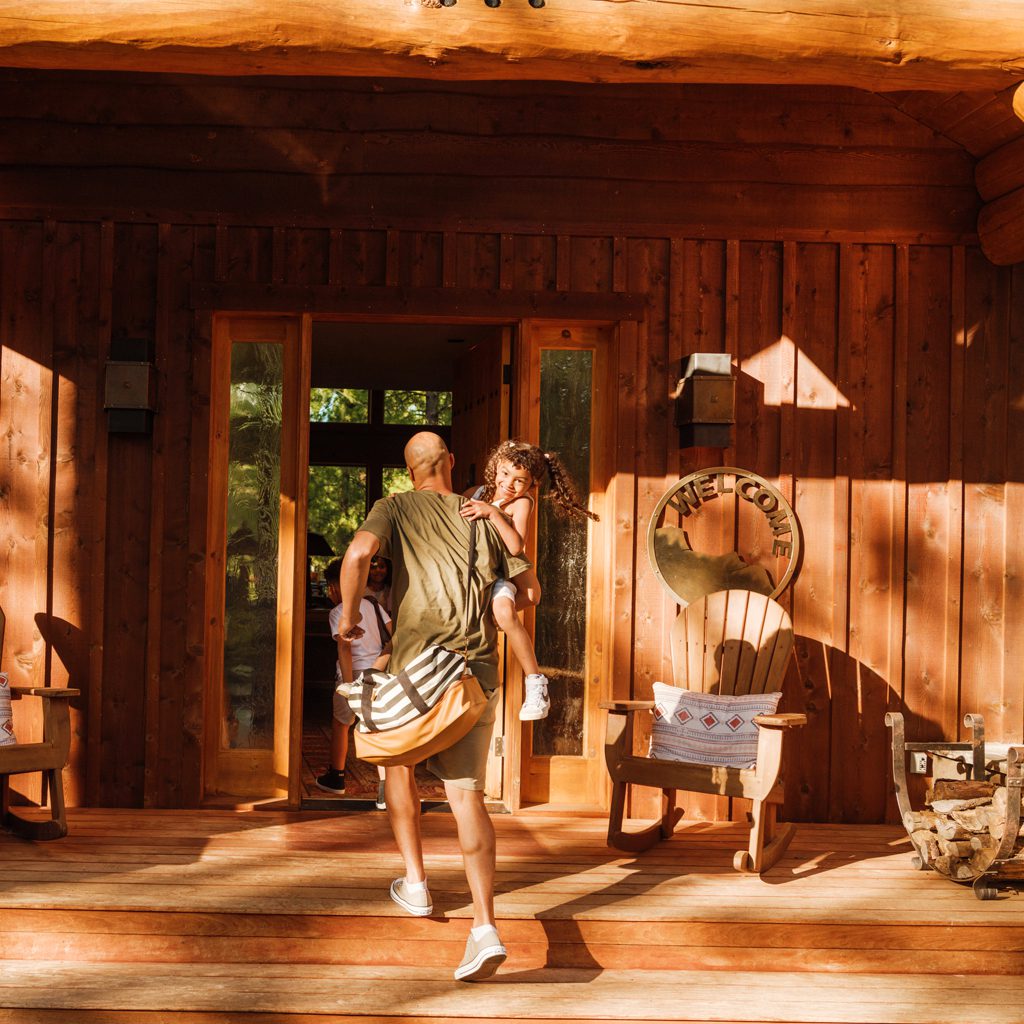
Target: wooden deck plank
560, 993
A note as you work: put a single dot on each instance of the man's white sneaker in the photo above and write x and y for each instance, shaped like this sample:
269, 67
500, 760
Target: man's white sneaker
419, 904
536, 704
482, 958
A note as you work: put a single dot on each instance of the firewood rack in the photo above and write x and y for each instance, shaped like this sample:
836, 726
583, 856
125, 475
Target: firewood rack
989, 870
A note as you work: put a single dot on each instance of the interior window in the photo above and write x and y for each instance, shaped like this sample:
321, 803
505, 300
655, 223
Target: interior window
429, 408
339, 405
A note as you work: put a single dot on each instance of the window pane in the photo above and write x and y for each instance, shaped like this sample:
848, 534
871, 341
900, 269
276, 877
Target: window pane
254, 499
337, 506
418, 408
566, 381
396, 480
339, 405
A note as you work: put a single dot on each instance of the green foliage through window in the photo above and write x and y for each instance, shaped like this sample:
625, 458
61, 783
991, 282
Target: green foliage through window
339, 405
426, 408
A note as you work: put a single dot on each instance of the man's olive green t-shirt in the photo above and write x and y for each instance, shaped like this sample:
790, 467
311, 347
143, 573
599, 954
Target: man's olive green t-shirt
428, 544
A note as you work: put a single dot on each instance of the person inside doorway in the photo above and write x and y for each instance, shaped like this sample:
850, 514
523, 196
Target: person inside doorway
371, 650
427, 539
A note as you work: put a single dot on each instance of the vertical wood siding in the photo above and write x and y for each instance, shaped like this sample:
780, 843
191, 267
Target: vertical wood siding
880, 386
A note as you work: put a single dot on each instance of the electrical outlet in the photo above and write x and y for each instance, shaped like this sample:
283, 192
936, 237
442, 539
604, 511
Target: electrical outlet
919, 763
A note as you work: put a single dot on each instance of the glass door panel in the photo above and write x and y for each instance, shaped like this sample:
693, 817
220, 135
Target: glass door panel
253, 529
564, 407
255, 569
566, 424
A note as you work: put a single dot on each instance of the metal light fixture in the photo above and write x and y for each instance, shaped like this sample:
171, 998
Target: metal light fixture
705, 401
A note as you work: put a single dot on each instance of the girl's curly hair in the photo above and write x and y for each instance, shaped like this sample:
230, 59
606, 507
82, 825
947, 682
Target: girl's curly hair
539, 464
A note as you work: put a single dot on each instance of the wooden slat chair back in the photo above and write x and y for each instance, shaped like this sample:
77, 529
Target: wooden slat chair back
49, 757
733, 642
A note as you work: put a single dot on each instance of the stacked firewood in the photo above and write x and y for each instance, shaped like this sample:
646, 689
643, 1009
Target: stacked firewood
960, 833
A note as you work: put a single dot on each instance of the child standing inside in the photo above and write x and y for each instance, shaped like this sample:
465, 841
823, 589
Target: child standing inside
371, 650
513, 470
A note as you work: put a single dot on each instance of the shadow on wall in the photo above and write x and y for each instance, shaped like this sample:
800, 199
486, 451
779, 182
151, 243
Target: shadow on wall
839, 768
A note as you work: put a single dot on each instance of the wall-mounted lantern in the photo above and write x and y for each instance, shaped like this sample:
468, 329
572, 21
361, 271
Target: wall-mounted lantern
705, 401
129, 394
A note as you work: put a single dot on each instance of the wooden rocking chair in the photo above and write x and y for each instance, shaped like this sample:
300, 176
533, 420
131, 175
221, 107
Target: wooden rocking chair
730, 642
49, 757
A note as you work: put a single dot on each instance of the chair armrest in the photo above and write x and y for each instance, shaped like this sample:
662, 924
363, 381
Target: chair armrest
624, 707
44, 691
788, 721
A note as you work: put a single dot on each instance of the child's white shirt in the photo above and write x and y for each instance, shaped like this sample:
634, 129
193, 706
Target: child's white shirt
366, 649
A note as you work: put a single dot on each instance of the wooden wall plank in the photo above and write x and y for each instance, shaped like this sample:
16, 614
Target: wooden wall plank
867, 691
76, 372
1013, 595
423, 260
929, 694
882, 212
307, 256
126, 601
477, 260
25, 373
537, 156
648, 262
714, 113
985, 686
810, 403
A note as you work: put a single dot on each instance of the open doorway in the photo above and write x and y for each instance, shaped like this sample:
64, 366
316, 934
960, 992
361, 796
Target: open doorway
371, 387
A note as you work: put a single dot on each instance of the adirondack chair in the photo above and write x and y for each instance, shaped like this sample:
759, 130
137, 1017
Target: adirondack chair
729, 642
49, 757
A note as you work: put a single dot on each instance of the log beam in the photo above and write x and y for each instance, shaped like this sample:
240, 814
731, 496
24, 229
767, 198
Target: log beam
1000, 178
1001, 229
872, 44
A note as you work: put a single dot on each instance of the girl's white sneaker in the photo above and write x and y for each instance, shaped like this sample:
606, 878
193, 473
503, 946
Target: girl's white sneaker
536, 703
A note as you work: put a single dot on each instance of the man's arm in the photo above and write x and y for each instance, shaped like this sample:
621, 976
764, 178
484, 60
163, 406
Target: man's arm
355, 569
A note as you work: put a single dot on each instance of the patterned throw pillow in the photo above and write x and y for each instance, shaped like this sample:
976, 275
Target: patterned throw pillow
707, 728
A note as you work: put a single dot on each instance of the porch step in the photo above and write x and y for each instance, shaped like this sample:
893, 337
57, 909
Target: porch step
382, 993
197, 917
782, 947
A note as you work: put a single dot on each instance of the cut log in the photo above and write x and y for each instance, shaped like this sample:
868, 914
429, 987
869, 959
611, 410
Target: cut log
916, 44
954, 867
999, 800
955, 847
927, 845
945, 807
959, 789
917, 821
947, 828
979, 819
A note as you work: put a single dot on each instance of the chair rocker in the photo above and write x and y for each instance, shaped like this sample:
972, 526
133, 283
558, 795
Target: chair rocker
49, 757
730, 642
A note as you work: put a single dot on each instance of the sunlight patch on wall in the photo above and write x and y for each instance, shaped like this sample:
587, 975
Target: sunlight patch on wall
965, 338
773, 367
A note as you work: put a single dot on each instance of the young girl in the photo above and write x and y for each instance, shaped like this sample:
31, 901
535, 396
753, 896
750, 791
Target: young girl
513, 469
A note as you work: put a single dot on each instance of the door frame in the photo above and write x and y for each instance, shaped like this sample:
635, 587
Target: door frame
621, 313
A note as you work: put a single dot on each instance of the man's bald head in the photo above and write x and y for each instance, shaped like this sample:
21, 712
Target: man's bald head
428, 460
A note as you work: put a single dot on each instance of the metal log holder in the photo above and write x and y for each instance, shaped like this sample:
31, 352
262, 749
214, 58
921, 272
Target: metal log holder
1003, 870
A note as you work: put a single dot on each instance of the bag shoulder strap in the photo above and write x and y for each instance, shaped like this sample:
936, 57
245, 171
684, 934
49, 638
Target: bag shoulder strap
382, 626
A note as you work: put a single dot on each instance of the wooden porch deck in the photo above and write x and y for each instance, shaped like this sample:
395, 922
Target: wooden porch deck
183, 916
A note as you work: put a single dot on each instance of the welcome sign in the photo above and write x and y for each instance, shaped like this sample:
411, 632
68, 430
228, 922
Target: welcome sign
688, 574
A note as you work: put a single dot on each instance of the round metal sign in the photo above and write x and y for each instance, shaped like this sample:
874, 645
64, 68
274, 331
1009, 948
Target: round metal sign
687, 574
